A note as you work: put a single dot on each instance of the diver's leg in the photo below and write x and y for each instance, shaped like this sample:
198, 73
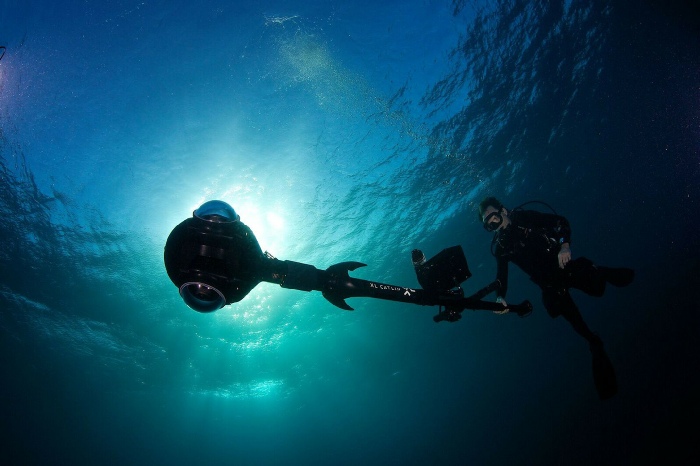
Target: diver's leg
559, 302
604, 376
582, 274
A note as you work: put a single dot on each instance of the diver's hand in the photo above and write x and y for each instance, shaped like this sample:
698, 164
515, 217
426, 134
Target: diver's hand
505, 309
564, 255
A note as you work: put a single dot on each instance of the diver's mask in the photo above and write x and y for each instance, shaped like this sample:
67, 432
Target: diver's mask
493, 221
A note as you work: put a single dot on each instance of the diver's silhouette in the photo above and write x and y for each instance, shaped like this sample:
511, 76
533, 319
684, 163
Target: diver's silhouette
538, 243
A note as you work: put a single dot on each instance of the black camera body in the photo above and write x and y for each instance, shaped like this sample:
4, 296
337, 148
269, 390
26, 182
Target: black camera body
445, 271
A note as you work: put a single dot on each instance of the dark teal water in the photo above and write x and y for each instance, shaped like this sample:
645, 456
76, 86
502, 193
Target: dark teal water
343, 131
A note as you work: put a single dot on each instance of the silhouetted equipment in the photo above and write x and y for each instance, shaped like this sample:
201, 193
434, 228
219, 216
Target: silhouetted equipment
214, 259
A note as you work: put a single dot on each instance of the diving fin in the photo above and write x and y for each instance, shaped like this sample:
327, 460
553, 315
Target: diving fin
603, 372
617, 276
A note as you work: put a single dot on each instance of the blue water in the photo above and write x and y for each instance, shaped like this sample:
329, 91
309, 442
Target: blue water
342, 131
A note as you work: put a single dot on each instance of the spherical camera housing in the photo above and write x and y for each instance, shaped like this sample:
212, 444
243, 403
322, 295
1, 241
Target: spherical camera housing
213, 258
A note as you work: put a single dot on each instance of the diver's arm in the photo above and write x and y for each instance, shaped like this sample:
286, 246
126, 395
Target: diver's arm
502, 278
502, 302
564, 255
557, 228
562, 230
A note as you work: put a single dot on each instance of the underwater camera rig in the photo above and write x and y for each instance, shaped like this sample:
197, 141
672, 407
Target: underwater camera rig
214, 259
444, 273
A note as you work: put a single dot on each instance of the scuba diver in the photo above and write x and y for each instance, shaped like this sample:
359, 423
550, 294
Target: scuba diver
539, 244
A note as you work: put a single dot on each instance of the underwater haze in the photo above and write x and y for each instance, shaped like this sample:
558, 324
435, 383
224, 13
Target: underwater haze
344, 131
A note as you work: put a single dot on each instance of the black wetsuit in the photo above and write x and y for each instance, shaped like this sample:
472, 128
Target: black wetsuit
532, 241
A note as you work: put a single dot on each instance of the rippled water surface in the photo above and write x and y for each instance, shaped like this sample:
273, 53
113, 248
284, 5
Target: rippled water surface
343, 131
